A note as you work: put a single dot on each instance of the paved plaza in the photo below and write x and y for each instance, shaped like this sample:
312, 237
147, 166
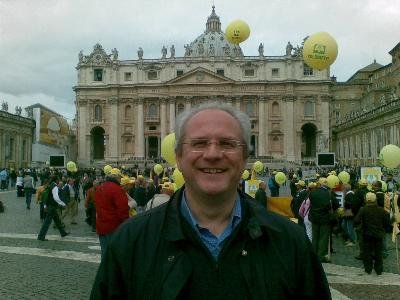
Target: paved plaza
64, 268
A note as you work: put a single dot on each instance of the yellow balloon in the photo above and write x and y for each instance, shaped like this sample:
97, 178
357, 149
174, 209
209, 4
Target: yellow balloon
178, 178
237, 31
158, 169
168, 149
107, 169
390, 156
245, 174
280, 178
320, 50
71, 166
332, 181
344, 177
258, 166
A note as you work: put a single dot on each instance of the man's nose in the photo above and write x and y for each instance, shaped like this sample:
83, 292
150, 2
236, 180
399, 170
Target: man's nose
212, 150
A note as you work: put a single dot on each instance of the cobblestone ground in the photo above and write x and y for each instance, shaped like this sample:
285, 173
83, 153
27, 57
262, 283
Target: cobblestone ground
64, 268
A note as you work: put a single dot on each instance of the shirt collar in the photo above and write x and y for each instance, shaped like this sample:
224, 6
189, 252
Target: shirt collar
187, 214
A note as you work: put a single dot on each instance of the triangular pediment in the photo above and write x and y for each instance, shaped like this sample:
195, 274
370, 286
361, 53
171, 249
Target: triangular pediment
199, 76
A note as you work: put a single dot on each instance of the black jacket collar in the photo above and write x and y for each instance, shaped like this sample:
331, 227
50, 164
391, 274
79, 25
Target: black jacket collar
258, 221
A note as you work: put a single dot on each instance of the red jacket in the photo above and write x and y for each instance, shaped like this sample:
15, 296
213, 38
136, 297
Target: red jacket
111, 207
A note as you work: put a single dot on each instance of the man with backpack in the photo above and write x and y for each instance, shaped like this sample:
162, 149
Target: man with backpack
52, 201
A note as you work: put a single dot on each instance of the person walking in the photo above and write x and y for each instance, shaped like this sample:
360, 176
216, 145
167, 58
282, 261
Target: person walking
28, 189
209, 241
52, 200
39, 200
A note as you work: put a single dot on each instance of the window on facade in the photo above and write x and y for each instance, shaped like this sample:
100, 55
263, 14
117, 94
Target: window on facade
275, 109
128, 145
276, 144
275, 72
152, 127
98, 113
337, 115
309, 108
307, 70
181, 108
128, 112
249, 72
152, 75
128, 76
250, 109
152, 113
98, 74
179, 73
221, 72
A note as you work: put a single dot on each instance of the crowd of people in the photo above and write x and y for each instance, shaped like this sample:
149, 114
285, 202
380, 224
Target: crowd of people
360, 211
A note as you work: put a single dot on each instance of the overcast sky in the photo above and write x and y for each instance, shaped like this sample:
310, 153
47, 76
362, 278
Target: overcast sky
40, 39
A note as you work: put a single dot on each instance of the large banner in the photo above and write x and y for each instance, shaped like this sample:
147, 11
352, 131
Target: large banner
53, 127
371, 174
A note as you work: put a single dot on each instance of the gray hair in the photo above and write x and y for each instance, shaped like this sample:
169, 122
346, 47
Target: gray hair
239, 116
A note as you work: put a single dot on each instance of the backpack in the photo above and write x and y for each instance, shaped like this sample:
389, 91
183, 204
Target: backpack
46, 197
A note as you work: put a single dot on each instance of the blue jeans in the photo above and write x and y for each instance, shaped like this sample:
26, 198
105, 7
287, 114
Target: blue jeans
104, 240
28, 197
347, 225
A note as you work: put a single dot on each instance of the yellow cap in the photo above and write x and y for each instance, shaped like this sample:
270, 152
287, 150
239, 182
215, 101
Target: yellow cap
126, 180
323, 181
370, 198
115, 171
301, 183
167, 186
312, 185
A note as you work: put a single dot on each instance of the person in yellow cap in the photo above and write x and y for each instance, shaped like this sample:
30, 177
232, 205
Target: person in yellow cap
167, 190
111, 208
301, 195
374, 220
358, 202
320, 199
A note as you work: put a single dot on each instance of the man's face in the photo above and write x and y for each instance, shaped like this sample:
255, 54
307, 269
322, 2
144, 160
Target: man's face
211, 172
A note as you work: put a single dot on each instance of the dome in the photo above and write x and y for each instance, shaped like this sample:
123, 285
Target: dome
212, 43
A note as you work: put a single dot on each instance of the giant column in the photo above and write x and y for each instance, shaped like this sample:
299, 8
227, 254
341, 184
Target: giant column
261, 126
114, 132
163, 118
289, 128
171, 114
140, 129
83, 149
188, 103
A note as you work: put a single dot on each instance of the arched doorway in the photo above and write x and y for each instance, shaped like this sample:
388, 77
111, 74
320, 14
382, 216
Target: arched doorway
308, 140
152, 147
97, 142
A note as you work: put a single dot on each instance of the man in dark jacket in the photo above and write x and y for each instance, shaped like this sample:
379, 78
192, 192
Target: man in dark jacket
261, 194
320, 199
373, 219
208, 241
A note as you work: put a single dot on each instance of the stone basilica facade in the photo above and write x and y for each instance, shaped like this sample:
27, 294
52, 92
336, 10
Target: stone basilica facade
126, 107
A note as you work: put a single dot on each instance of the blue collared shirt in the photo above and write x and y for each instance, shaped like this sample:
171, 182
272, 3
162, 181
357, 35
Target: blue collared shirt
212, 242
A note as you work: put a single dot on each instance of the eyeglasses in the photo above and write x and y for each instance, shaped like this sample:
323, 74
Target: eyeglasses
223, 145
